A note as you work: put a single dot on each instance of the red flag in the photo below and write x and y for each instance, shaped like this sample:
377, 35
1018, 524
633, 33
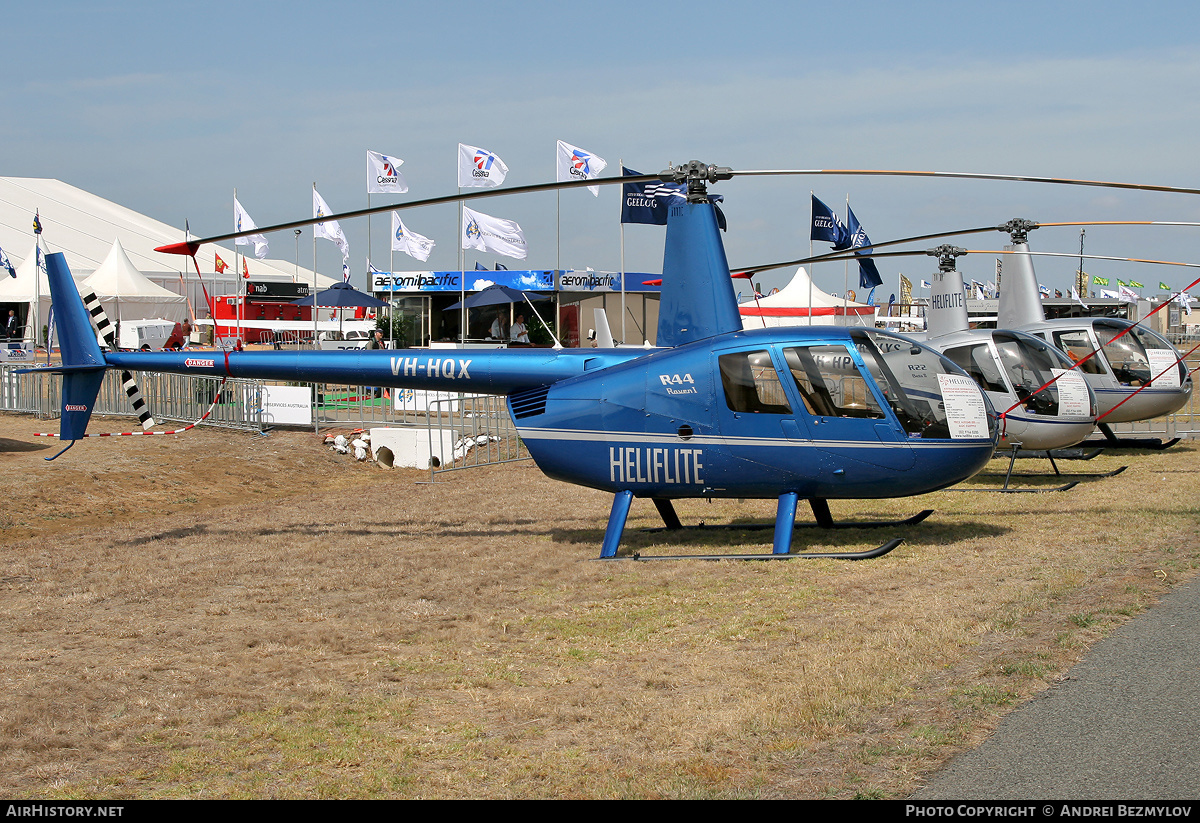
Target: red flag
245, 270
220, 265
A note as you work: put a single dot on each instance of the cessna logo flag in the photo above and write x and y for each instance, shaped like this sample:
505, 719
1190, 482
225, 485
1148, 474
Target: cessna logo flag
242, 222
479, 168
409, 242
383, 174
576, 164
486, 233
330, 229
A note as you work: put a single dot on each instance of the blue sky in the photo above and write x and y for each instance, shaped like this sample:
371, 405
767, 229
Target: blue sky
166, 110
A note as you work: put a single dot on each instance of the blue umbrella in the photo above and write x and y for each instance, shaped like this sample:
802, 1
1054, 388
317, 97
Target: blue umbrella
494, 296
341, 295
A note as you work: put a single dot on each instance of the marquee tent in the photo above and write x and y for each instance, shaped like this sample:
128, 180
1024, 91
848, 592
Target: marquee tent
127, 294
800, 303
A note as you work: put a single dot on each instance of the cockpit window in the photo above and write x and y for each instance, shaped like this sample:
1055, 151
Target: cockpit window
1029, 364
1078, 345
830, 383
1138, 356
1125, 353
978, 362
908, 376
752, 384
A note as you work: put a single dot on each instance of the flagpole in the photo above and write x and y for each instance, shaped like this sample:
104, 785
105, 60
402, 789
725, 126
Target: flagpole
810, 254
622, 224
37, 282
392, 294
462, 278
316, 334
237, 314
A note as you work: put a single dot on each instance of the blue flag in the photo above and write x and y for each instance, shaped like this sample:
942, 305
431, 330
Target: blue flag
647, 202
868, 275
827, 227
480, 267
5, 263
500, 267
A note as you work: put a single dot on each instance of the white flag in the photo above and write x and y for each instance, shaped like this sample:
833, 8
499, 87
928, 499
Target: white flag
1185, 302
409, 242
486, 233
330, 229
479, 168
383, 174
576, 164
242, 222
1075, 296
1127, 294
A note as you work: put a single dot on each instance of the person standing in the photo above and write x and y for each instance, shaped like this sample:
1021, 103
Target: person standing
518, 333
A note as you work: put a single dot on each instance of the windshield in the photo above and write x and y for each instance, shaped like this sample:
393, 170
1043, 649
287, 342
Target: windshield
915, 380
1029, 364
1139, 355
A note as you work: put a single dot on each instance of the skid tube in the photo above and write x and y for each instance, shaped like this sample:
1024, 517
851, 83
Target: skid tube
784, 526
1111, 439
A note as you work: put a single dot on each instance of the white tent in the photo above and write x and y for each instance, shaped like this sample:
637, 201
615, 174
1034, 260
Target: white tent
127, 294
801, 303
28, 286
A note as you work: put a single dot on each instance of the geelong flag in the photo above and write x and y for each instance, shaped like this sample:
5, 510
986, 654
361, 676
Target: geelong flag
330, 229
486, 233
409, 242
576, 164
242, 222
826, 226
383, 174
647, 202
868, 275
479, 168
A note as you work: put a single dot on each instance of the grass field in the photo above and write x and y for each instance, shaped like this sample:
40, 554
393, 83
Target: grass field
230, 615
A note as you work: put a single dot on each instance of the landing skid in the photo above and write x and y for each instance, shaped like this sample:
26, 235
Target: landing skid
784, 526
869, 554
1111, 439
1010, 474
1062, 454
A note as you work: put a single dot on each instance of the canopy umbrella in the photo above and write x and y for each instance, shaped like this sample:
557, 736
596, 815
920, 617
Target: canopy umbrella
340, 296
498, 295
494, 296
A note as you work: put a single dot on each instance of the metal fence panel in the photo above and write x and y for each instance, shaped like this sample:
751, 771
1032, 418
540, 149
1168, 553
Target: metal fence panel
485, 433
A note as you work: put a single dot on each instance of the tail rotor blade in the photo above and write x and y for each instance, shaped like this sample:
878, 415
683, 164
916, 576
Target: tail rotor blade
108, 332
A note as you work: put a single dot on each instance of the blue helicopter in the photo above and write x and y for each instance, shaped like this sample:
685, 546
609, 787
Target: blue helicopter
786, 414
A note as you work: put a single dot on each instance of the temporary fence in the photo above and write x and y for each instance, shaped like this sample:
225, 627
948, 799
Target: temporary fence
482, 430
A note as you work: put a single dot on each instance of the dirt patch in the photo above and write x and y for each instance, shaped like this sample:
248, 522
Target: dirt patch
226, 615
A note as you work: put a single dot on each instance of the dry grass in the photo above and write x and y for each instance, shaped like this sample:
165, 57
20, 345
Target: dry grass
181, 622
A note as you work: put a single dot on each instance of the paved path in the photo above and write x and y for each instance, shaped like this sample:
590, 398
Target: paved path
1124, 725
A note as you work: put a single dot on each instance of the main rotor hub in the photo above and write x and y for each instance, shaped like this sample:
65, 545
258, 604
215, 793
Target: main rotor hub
1018, 229
697, 175
945, 255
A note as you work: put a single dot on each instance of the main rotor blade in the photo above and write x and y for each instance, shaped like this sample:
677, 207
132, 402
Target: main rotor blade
1064, 181
190, 247
846, 255
839, 255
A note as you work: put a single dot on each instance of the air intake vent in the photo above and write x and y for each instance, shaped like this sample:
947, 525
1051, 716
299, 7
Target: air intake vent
529, 403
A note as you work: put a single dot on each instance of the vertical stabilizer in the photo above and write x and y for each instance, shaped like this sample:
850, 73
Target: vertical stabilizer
82, 361
1020, 300
697, 291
